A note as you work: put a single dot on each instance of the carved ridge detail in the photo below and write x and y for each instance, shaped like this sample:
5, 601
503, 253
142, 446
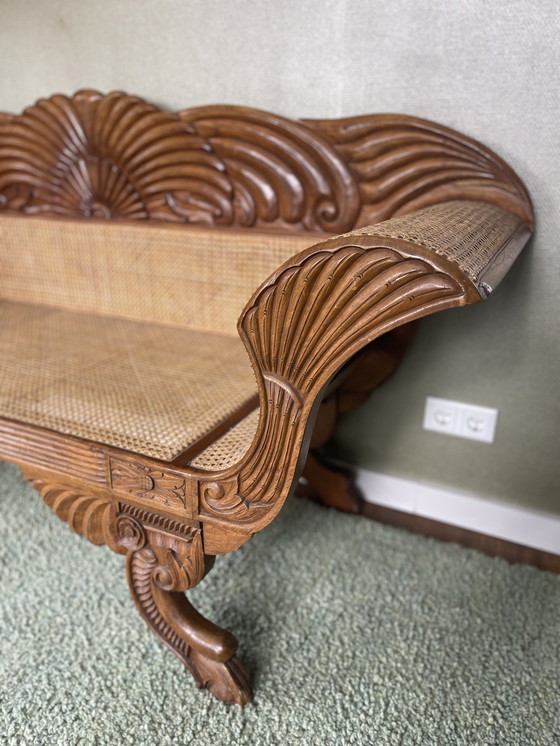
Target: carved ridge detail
112, 156
117, 156
87, 515
157, 521
402, 163
336, 299
283, 383
280, 171
142, 565
300, 328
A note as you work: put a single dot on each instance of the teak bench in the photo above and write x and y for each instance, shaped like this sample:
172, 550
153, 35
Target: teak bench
133, 239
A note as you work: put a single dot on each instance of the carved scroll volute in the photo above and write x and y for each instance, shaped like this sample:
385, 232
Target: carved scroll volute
301, 327
403, 163
175, 558
281, 173
173, 549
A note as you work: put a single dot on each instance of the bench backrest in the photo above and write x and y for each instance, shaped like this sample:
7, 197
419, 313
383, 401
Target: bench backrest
185, 275
276, 185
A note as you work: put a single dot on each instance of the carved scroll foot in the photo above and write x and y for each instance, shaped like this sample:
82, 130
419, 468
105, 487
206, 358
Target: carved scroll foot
330, 485
164, 557
204, 648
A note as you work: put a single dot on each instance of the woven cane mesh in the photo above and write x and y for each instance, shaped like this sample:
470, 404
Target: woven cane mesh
231, 447
148, 388
196, 277
468, 233
156, 388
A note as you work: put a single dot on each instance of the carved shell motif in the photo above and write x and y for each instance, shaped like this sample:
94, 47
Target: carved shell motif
112, 156
341, 297
116, 156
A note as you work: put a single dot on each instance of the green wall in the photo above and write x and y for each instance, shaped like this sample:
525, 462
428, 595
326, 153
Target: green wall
488, 69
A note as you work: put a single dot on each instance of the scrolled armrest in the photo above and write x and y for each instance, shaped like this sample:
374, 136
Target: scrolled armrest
327, 302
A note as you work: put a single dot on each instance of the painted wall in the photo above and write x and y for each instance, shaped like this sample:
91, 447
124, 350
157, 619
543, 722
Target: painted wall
488, 69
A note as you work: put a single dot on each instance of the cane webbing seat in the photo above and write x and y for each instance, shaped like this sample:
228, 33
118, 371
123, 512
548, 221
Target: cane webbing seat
129, 383
230, 447
119, 382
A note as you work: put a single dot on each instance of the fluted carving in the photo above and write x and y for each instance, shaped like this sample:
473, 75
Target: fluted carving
116, 156
300, 328
280, 171
403, 163
86, 514
315, 314
112, 156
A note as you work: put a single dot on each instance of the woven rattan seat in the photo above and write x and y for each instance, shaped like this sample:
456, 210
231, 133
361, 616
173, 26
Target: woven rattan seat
124, 383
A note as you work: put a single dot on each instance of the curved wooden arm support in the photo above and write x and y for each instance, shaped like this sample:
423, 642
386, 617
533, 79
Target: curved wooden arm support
318, 310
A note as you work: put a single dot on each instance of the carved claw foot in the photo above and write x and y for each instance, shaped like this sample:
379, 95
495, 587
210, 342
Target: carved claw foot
159, 567
228, 681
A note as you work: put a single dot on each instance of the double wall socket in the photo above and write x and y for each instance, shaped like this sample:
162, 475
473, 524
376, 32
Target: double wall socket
461, 420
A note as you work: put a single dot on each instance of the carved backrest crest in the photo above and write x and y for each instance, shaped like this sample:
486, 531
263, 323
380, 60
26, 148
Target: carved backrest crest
117, 156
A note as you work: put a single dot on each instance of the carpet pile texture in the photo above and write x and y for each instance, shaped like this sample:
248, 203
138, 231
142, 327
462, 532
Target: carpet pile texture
355, 633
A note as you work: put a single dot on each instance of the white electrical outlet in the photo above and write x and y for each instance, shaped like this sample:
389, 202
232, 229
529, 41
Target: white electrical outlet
461, 420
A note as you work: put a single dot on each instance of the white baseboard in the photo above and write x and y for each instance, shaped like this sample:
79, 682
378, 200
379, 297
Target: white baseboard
521, 526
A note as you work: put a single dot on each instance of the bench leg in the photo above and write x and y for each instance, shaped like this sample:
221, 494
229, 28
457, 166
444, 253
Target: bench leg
204, 648
164, 558
329, 484
325, 481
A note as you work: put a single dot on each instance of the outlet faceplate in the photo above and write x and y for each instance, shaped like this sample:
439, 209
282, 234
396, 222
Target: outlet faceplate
462, 420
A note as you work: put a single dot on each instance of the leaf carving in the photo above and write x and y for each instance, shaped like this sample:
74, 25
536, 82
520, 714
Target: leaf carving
149, 484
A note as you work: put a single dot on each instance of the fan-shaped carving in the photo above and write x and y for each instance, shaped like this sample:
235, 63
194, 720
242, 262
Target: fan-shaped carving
403, 164
300, 328
336, 301
87, 515
105, 156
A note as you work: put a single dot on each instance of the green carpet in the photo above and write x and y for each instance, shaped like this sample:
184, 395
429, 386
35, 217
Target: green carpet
356, 633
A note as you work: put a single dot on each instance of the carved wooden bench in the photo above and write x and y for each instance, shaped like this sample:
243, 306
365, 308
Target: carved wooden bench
132, 239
